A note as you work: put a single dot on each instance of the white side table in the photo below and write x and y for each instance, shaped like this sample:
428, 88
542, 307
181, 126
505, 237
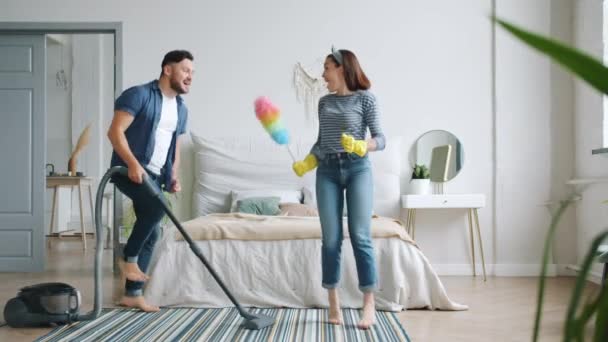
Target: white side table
472, 202
70, 181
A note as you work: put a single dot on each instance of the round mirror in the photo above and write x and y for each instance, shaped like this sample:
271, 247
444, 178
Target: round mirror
441, 152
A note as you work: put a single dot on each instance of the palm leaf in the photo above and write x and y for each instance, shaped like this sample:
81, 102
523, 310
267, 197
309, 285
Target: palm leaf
575, 327
583, 65
543, 273
601, 320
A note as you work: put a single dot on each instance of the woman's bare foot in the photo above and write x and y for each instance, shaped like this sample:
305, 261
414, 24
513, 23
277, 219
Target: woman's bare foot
131, 271
335, 313
138, 303
368, 318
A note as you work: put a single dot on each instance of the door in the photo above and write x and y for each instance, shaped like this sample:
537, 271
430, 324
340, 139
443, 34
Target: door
22, 152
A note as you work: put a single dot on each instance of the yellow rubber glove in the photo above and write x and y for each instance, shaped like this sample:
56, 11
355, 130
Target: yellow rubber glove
351, 145
303, 166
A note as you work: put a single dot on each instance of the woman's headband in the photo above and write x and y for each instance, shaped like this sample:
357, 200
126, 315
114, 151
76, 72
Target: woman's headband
337, 55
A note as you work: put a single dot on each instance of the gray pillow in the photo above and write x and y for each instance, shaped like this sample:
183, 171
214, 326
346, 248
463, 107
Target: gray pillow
259, 205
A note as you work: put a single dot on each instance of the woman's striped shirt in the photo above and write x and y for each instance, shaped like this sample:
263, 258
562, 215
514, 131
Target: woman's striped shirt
351, 114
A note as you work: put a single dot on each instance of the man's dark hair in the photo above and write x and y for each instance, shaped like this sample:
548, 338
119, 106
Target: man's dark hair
176, 56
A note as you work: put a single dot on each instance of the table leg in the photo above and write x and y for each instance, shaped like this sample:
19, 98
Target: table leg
483, 262
413, 223
471, 238
53, 208
408, 224
84, 234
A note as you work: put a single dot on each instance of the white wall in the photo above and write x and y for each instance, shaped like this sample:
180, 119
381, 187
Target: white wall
92, 104
59, 106
523, 103
591, 214
107, 96
58, 130
562, 137
89, 68
557, 121
430, 63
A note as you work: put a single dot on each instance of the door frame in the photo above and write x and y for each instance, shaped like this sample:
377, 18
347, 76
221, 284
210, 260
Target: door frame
114, 28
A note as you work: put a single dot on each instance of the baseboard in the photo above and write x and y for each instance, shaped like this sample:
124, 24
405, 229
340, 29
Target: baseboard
499, 270
524, 270
68, 234
566, 270
514, 270
573, 270
75, 226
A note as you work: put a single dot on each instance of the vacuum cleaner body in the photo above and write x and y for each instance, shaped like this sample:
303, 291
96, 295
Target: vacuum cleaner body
58, 303
45, 304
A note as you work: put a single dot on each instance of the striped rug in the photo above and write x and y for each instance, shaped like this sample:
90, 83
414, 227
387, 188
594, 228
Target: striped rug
192, 324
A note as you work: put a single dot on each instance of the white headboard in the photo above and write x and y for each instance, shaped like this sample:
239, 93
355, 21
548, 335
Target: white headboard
234, 164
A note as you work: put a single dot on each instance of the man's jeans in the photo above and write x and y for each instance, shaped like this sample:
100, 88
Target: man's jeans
149, 213
335, 174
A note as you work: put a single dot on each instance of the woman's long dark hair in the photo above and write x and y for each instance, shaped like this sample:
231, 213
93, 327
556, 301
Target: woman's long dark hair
353, 74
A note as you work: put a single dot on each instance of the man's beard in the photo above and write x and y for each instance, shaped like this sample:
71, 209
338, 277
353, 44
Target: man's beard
177, 86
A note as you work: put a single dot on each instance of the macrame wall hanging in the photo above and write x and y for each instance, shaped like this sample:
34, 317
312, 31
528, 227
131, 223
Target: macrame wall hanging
309, 86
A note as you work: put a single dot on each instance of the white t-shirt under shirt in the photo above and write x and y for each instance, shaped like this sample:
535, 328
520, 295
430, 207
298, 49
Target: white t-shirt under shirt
164, 133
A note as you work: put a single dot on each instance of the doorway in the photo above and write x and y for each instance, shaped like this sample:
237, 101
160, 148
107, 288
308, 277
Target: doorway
77, 108
79, 98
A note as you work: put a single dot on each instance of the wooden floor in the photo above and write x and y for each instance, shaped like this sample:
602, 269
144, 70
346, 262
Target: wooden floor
502, 309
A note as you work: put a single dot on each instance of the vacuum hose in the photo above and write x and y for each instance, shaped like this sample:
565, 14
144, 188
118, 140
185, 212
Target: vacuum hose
100, 241
252, 320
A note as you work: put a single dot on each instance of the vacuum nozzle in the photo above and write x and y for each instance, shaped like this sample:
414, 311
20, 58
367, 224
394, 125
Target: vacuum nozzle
257, 321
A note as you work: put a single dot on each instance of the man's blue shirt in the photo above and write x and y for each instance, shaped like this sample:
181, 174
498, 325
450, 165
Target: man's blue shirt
145, 103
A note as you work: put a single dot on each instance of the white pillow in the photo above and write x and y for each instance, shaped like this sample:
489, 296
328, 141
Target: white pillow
310, 198
237, 163
287, 196
222, 165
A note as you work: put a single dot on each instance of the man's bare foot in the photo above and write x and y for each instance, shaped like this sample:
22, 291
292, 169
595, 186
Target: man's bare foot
335, 313
138, 303
368, 318
131, 271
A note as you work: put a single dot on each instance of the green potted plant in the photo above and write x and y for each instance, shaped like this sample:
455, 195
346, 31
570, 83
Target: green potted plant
420, 183
128, 220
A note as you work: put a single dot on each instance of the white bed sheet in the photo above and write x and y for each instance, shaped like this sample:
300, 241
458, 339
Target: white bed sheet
287, 273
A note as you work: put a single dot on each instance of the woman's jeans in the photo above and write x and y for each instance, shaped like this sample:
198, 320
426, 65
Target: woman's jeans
338, 173
148, 212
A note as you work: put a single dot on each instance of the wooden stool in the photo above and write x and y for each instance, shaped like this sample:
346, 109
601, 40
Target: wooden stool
69, 181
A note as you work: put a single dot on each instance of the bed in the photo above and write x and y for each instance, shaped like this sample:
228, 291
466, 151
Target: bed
274, 261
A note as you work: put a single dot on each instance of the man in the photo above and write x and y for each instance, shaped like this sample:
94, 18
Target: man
148, 121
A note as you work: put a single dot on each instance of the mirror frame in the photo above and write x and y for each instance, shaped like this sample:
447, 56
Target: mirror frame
454, 151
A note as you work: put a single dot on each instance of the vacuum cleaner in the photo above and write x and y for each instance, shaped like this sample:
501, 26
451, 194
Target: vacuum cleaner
51, 304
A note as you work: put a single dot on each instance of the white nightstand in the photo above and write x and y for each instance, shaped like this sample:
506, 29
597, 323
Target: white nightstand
472, 202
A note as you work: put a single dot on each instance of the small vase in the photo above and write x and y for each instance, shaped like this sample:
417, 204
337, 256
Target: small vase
420, 186
72, 166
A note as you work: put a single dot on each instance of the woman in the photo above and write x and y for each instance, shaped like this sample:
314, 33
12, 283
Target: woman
341, 156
